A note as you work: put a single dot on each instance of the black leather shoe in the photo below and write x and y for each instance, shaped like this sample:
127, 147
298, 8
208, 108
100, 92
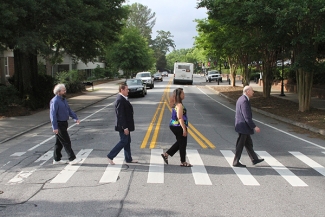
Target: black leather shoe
257, 161
239, 165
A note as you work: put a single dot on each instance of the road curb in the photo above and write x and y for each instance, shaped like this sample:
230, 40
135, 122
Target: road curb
286, 120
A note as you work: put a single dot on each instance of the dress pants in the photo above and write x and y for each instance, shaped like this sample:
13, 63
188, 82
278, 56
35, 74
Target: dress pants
244, 140
125, 141
63, 140
180, 144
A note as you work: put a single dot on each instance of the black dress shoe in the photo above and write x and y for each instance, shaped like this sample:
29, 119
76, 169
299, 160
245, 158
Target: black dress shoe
257, 161
239, 165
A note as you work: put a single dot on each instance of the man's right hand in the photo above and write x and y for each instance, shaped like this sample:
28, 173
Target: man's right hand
56, 131
257, 129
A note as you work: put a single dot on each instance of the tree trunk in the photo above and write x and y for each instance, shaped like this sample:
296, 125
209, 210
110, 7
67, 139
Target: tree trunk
25, 72
2, 70
233, 71
267, 79
49, 66
246, 75
245, 69
304, 86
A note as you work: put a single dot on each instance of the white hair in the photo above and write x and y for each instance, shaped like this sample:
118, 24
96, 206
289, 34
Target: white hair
247, 88
58, 88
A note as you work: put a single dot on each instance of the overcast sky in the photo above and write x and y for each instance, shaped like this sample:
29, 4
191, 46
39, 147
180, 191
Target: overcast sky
177, 17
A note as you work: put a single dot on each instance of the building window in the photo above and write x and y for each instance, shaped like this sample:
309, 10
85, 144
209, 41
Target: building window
6, 66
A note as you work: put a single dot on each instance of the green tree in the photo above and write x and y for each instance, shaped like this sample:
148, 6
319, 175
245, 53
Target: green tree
161, 45
277, 26
191, 55
305, 25
142, 18
131, 53
242, 31
81, 27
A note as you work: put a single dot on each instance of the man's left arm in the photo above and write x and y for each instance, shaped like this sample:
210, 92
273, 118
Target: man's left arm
73, 115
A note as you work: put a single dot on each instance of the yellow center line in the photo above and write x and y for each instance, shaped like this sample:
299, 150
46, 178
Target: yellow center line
156, 131
197, 136
161, 103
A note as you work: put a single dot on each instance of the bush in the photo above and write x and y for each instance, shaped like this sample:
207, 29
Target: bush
99, 72
72, 79
9, 96
254, 76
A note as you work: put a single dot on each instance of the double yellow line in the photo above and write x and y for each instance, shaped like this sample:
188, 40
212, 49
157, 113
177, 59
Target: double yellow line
198, 137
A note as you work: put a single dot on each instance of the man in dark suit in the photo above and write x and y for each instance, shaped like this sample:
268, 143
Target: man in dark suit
124, 125
245, 126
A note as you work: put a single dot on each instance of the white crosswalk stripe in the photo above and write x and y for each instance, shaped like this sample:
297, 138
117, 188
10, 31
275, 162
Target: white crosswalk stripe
243, 174
69, 170
112, 171
199, 172
156, 168
313, 164
282, 170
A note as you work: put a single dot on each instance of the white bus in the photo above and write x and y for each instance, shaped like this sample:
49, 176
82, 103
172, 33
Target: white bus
183, 73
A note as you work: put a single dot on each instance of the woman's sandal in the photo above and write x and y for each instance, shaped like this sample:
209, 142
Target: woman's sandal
165, 158
185, 164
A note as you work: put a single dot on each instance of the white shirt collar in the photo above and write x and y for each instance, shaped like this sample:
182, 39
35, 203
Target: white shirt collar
125, 97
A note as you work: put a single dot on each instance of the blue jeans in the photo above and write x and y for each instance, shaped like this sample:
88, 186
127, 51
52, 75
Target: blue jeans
125, 141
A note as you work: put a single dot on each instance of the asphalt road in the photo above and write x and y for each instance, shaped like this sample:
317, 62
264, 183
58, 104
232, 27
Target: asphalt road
289, 183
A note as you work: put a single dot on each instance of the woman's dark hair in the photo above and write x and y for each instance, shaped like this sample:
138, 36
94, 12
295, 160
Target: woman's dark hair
173, 98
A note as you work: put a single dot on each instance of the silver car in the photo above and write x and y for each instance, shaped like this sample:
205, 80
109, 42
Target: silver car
213, 75
146, 78
157, 77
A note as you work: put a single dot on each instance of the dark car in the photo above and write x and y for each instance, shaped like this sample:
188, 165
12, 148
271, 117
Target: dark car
157, 77
213, 75
136, 87
164, 74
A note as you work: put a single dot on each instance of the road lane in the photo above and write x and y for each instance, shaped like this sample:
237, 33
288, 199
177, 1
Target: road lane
210, 188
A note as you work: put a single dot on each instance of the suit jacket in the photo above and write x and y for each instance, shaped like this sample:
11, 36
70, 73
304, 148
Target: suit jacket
244, 120
124, 114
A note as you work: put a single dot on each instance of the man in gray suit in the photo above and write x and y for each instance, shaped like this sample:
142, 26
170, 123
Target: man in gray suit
245, 126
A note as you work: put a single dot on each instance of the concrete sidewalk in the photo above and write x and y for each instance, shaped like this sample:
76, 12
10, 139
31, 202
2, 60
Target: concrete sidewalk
15, 126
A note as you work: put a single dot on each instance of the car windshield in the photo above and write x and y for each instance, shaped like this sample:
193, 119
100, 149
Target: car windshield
143, 75
212, 72
133, 82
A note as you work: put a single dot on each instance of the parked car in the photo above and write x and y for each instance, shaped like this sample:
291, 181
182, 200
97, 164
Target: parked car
146, 79
285, 62
213, 75
164, 74
136, 87
158, 77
